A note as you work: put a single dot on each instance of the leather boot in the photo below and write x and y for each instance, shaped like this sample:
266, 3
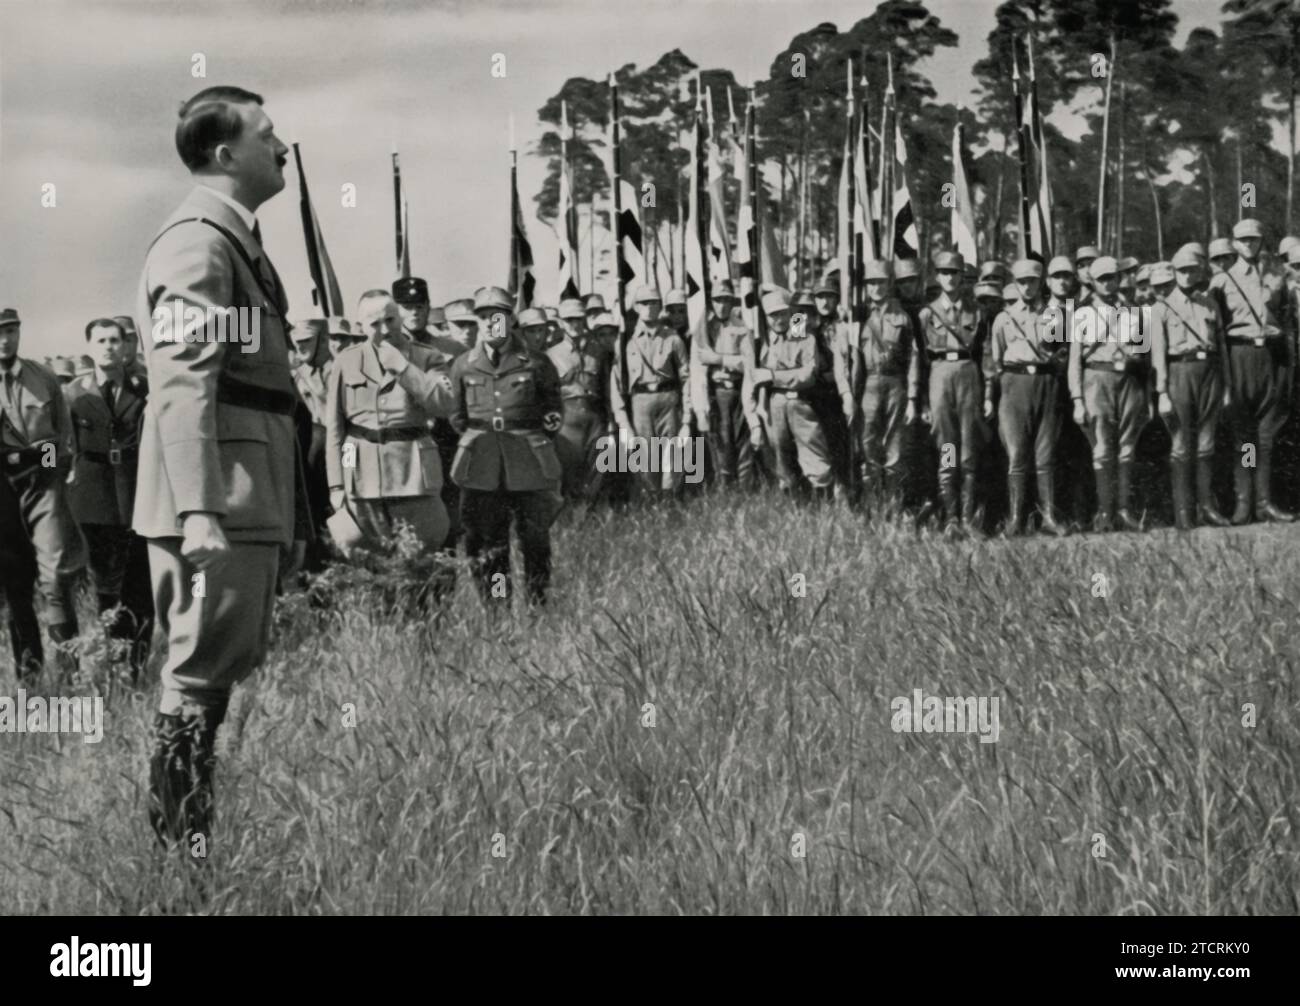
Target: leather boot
1242, 482
1181, 485
1124, 498
1047, 504
1208, 512
180, 775
1265, 508
1105, 519
949, 498
971, 516
1015, 504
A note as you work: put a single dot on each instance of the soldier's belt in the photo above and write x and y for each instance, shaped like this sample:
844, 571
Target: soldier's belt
1124, 366
232, 391
949, 355
578, 393
500, 424
115, 455
1032, 369
1254, 340
789, 393
649, 387
1192, 356
726, 379
387, 434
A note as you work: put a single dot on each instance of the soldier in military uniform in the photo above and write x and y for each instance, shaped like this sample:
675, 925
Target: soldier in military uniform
35, 458
1108, 370
462, 324
593, 305
132, 360
1083, 260
382, 463
884, 382
951, 348
508, 409
1025, 369
788, 365
107, 408
1261, 356
907, 286
1190, 355
725, 352
341, 335
534, 330
657, 370
584, 366
823, 328
1223, 256
1142, 285
676, 314
313, 363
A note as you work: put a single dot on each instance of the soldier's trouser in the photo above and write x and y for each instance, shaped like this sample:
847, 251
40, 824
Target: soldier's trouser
659, 414
729, 436
486, 517
798, 442
379, 519
1117, 410
216, 640
1029, 420
119, 573
107, 549
584, 424
447, 439
884, 405
1259, 407
36, 509
956, 403
18, 587
830, 412
1196, 392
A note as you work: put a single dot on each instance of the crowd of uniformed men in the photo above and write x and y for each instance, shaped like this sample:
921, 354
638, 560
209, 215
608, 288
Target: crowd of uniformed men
455, 420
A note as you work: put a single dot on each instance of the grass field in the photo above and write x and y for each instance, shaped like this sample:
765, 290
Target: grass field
509, 766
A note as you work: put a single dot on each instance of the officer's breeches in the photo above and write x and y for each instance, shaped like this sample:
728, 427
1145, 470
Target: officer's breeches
1117, 410
39, 511
798, 441
1029, 420
584, 425
956, 401
732, 449
884, 405
108, 547
1196, 392
486, 517
658, 414
217, 627
1259, 406
830, 412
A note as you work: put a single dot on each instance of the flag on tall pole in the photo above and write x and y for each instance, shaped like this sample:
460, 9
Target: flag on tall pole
325, 284
521, 283
1026, 247
865, 228
847, 207
902, 240
628, 234
697, 222
400, 221
963, 212
566, 217
1040, 212
745, 237
719, 240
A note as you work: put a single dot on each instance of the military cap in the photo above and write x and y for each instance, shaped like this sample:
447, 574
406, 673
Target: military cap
1144, 274
492, 298
437, 316
906, 268
993, 268
571, 308
460, 310
826, 288
604, 320
532, 316
127, 323
776, 299
1286, 244
876, 268
551, 313
1220, 247
646, 295
8, 316
1195, 247
1185, 258
1104, 266
1293, 254
308, 328
593, 302
1161, 273
1127, 264
1011, 292
676, 297
335, 325
985, 288
1060, 264
949, 262
63, 367
410, 290
1027, 268
1247, 228
804, 298
722, 289
1086, 254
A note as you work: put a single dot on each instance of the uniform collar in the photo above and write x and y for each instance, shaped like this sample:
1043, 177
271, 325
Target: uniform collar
245, 214
16, 370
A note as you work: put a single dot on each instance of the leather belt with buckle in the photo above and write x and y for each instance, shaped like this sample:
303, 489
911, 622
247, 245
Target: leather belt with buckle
649, 387
387, 434
1031, 369
499, 424
950, 355
1191, 356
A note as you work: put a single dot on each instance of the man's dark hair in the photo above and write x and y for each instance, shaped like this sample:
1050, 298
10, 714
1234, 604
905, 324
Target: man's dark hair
208, 120
105, 323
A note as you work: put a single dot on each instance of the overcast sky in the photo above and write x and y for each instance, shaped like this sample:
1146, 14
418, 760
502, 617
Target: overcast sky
89, 91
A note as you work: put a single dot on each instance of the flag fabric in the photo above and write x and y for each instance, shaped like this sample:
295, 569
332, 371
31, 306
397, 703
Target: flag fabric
326, 292
745, 237
521, 283
963, 212
566, 219
845, 207
719, 241
906, 243
697, 264
631, 235
865, 244
1040, 210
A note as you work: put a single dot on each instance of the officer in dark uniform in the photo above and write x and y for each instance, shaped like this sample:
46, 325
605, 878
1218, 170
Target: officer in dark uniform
584, 365
507, 408
725, 352
35, 458
107, 407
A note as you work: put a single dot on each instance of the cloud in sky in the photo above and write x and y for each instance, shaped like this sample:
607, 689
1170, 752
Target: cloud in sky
89, 91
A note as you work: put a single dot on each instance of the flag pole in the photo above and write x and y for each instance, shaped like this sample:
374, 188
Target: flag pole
1026, 248
1105, 136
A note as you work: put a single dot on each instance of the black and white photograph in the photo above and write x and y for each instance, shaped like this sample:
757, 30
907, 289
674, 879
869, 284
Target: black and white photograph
664, 458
